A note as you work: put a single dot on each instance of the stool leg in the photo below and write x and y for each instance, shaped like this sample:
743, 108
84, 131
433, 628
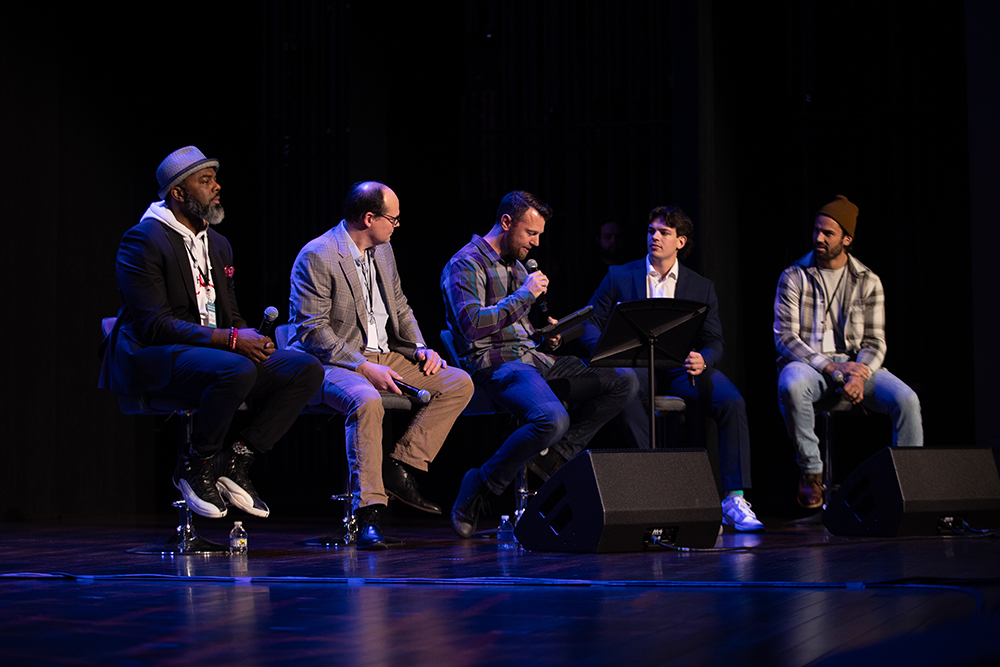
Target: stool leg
827, 457
185, 526
348, 533
184, 541
344, 536
349, 530
521, 494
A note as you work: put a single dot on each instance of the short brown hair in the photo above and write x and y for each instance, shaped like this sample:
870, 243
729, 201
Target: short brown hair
517, 203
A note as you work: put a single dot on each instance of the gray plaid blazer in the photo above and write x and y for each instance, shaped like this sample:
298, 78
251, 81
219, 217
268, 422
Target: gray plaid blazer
327, 304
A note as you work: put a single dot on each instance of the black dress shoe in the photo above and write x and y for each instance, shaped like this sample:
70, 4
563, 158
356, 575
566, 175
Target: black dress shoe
546, 466
469, 504
399, 483
369, 536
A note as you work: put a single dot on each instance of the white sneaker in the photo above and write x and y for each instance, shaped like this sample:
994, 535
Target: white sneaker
736, 512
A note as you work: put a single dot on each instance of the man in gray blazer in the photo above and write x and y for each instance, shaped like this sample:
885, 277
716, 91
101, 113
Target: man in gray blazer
349, 310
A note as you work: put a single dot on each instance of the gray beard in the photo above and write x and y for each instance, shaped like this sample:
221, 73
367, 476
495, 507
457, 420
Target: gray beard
210, 213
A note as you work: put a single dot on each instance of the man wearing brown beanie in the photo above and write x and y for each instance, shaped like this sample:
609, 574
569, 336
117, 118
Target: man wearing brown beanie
829, 330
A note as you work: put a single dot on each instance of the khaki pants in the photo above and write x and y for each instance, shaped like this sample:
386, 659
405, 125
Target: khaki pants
350, 393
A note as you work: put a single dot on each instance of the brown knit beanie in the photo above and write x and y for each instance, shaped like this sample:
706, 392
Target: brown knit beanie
844, 212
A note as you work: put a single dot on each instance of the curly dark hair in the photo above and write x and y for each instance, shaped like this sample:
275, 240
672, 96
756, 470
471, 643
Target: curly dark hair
677, 219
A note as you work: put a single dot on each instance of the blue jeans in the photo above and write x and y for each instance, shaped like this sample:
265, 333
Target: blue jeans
800, 385
527, 393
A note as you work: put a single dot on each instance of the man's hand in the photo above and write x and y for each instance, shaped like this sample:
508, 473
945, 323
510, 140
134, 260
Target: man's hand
849, 368
695, 364
537, 283
556, 340
854, 389
431, 361
253, 346
381, 377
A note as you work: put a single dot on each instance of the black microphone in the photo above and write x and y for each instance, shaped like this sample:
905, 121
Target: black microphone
840, 381
270, 315
543, 305
422, 395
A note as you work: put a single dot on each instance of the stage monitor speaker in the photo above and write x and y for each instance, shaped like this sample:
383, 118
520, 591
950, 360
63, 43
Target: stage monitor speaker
616, 501
906, 490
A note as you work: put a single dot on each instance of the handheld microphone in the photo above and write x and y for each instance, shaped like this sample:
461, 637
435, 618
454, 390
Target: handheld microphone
422, 395
840, 381
270, 315
693, 379
543, 305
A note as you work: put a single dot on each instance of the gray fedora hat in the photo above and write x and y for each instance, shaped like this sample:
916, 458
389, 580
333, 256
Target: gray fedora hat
179, 165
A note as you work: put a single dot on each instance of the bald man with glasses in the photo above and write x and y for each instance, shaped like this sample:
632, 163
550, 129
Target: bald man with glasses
349, 310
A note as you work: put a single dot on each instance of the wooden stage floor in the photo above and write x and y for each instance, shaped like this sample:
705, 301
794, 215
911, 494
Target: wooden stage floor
795, 595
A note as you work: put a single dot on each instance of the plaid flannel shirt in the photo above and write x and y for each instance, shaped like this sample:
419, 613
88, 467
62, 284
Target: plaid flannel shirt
800, 309
487, 308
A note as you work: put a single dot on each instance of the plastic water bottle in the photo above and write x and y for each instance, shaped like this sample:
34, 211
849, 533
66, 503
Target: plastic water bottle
505, 534
238, 539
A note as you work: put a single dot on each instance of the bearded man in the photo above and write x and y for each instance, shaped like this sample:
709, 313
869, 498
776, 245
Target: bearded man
488, 293
180, 334
829, 330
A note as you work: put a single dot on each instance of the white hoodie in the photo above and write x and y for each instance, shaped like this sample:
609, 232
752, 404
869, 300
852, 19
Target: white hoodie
198, 256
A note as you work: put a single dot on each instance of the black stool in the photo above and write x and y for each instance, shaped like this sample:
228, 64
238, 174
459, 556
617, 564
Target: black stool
185, 540
346, 534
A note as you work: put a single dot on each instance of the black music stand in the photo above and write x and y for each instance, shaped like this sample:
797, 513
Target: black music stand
649, 333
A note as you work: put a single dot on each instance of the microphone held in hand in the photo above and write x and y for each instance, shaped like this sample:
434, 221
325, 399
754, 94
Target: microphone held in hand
543, 305
422, 395
270, 315
840, 381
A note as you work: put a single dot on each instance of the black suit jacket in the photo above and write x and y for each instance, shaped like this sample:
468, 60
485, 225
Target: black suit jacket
628, 283
161, 309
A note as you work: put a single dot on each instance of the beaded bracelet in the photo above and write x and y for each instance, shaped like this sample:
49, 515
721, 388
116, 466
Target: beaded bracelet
234, 333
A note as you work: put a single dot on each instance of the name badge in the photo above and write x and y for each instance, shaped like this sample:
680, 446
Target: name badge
212, 322
829, 345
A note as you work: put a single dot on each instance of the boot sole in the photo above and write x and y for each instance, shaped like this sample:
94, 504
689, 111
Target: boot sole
196, 504
234, 494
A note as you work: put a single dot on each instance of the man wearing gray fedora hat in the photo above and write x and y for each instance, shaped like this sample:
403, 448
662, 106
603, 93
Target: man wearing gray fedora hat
180, 333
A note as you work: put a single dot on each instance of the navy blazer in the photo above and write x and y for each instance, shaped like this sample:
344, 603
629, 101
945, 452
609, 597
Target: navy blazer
628, 283
161, 309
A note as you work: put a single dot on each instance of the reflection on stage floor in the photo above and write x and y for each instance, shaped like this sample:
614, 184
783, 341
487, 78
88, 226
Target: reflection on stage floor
794, 595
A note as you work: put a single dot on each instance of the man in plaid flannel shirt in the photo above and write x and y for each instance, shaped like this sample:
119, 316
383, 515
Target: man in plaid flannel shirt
829, 330
487, 294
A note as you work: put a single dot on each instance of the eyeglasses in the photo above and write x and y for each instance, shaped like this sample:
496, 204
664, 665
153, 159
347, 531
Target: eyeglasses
393, 220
